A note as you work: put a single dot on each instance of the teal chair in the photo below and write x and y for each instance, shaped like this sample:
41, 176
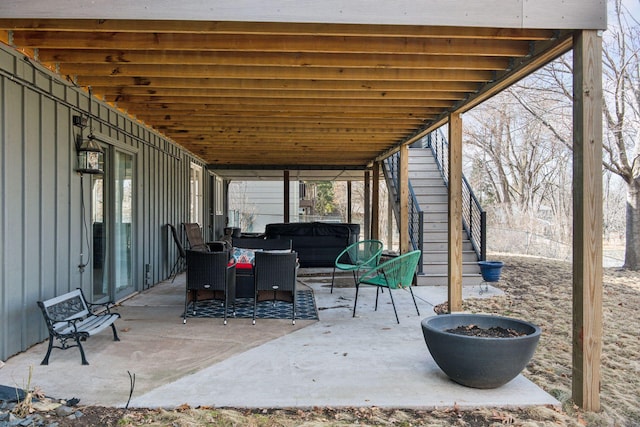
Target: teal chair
358, 256
395, 273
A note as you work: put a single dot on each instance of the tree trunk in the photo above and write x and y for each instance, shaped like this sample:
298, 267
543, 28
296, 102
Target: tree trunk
632, 245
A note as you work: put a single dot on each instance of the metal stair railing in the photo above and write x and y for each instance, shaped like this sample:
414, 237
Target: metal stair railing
474, 218
416, 215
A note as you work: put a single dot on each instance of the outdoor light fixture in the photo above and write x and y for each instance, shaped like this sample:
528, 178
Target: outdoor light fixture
90, 153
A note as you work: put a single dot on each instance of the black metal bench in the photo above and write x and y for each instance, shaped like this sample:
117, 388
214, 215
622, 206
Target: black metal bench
70, 317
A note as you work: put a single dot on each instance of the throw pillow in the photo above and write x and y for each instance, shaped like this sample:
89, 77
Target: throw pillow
243, 255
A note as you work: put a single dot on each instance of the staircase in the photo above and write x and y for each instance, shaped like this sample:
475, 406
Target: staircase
431, 194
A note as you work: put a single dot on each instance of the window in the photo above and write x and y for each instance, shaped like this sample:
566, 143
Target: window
195, 194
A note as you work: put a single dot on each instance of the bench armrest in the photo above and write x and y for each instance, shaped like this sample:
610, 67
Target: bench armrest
106, 306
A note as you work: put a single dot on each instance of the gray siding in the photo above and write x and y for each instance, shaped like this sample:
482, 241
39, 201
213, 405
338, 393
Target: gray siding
40, 203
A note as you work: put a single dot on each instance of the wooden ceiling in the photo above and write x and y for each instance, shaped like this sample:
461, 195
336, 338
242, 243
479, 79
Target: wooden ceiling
270, 95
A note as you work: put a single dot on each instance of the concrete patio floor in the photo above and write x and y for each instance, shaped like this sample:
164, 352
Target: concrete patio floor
338, 361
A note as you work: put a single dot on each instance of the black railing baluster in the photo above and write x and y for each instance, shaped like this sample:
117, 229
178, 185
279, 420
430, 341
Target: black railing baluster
438, 144
477, 235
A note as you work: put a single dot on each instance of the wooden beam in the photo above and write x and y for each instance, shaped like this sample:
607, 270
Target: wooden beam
390, 220
116, 83
375, 201
367, 204
125, 94
349, 202
286, 196
455, 214
403, 229
281, 60
134, 71
375, 114
270, 43
587, 219
279, 104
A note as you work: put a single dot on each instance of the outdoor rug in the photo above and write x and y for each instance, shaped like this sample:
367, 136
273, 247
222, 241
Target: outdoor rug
305, 308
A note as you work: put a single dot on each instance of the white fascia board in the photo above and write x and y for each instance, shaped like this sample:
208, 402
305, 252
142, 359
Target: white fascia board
565, 14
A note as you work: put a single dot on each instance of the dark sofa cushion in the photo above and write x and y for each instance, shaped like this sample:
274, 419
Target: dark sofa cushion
261, 243
317, 243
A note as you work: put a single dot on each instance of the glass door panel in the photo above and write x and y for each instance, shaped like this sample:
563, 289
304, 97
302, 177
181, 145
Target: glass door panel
112, 218
123, 223
100, 232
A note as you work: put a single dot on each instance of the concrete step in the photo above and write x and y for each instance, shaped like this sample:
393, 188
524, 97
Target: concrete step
442, 280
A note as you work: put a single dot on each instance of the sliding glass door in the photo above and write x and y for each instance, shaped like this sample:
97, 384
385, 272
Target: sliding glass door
113, 220
123, 223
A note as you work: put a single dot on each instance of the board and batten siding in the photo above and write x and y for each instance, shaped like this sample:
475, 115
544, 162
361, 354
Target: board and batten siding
41, 244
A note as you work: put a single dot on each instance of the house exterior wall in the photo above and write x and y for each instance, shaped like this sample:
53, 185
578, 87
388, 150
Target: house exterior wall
41, 240
263, 201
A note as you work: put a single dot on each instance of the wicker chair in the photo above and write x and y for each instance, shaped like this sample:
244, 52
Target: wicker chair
212, 275
178, 266
275, 279
194, 237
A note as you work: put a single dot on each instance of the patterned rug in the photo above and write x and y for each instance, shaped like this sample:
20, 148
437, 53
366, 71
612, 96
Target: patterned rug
305, 308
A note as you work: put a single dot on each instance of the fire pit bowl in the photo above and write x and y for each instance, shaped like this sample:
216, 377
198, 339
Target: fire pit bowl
479, 362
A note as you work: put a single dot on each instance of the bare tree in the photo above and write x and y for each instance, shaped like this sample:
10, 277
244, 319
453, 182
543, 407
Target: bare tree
519, 168
621, 111
239, 201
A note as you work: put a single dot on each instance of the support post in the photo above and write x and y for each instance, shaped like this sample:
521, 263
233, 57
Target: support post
349, 208
587, 218
390, 220
367, 204
286, 197
455, 214
403, 170
375, 201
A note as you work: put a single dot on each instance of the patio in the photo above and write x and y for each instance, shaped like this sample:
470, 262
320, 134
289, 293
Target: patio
338, 361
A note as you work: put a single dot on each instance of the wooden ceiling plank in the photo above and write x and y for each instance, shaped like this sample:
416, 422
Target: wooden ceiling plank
282, 128
270, 43
260, 144
129, 75
285, 117
127, 93
286, 85
194, 110
204, 104
356, 120
253, 93
274, 59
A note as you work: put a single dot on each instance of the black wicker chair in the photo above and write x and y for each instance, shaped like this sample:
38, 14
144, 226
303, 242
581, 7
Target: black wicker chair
275, 279
211, 275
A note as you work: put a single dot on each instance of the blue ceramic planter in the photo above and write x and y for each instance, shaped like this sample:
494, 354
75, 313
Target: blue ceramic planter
479, 362
490, 270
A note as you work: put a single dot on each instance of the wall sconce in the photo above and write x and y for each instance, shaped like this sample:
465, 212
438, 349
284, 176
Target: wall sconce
90, 153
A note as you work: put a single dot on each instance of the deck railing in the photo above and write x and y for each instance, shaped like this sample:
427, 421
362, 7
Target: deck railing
416, 216
474, 218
